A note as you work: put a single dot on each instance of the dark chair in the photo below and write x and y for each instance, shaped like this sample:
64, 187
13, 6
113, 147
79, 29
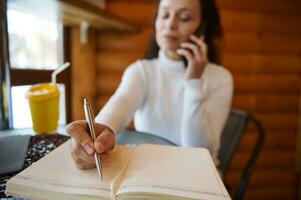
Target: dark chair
233, 130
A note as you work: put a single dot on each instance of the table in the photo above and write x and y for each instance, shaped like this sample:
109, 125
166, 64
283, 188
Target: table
134, 137
40, 145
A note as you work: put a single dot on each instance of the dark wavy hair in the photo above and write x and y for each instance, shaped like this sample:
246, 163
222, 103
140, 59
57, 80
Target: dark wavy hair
213, 32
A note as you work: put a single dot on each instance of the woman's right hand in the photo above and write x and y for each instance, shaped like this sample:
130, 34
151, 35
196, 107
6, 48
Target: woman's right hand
82, 145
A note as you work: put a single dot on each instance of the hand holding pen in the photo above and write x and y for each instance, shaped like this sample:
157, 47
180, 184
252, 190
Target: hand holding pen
83, 147
91, 123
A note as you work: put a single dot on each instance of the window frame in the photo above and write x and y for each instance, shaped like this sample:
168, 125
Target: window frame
5, 93
32, 76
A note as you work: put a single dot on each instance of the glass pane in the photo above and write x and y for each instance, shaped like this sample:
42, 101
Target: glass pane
33, 41
21, 111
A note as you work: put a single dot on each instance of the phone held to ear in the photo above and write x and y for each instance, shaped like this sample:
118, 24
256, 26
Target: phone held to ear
200, 31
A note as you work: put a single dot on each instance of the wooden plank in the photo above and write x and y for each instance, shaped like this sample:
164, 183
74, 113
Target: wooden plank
271, 192
252, 42
132, 1
97, 3
259, 178
263, 103
266, 83
267, 6
290, 7
124, 41
251, 131
233, 20
261, 63
274, 141
108, 82
274, 6
279, 160
284, 122
83, 72
298, 148
141, 14
102, 100
116, 61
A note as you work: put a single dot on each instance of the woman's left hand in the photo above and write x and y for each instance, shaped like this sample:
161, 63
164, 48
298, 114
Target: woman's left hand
196, 54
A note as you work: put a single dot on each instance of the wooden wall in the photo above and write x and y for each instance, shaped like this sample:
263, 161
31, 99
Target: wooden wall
83, 72
263, 51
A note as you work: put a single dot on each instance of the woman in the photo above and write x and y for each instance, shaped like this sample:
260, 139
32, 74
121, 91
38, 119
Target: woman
186, 104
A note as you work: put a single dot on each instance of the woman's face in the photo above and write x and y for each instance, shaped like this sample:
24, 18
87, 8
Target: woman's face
176, 21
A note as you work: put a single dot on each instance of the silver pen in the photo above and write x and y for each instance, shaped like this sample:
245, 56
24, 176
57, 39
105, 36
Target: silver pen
90, 120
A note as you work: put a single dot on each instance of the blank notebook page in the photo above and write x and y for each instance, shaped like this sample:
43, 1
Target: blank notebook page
187, 172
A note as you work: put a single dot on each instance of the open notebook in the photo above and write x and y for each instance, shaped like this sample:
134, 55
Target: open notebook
144, 172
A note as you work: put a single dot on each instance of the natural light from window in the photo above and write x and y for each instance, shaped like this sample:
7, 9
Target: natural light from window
33, 41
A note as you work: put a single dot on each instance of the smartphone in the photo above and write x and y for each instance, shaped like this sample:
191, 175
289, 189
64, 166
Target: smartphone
200, 31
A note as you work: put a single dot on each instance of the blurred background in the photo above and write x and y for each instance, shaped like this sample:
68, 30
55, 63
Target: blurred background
262, 49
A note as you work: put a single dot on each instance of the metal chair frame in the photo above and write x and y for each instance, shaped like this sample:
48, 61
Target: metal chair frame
236, 125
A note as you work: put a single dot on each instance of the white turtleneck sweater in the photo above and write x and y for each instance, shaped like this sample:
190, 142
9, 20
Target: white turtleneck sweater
187, 112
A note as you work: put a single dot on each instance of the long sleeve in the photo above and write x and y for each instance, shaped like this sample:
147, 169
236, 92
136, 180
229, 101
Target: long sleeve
120, 109
204, 113
187, 112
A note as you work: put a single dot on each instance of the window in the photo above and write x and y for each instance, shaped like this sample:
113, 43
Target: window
33, 41
35, 50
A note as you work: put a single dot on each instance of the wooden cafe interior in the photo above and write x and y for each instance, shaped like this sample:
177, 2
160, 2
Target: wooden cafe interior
261, 47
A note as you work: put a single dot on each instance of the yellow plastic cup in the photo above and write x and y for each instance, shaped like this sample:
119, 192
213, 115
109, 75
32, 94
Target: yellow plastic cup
43, 101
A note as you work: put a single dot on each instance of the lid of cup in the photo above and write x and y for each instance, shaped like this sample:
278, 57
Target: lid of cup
42, 92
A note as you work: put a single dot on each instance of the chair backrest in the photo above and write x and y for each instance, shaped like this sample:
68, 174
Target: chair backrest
233, 130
